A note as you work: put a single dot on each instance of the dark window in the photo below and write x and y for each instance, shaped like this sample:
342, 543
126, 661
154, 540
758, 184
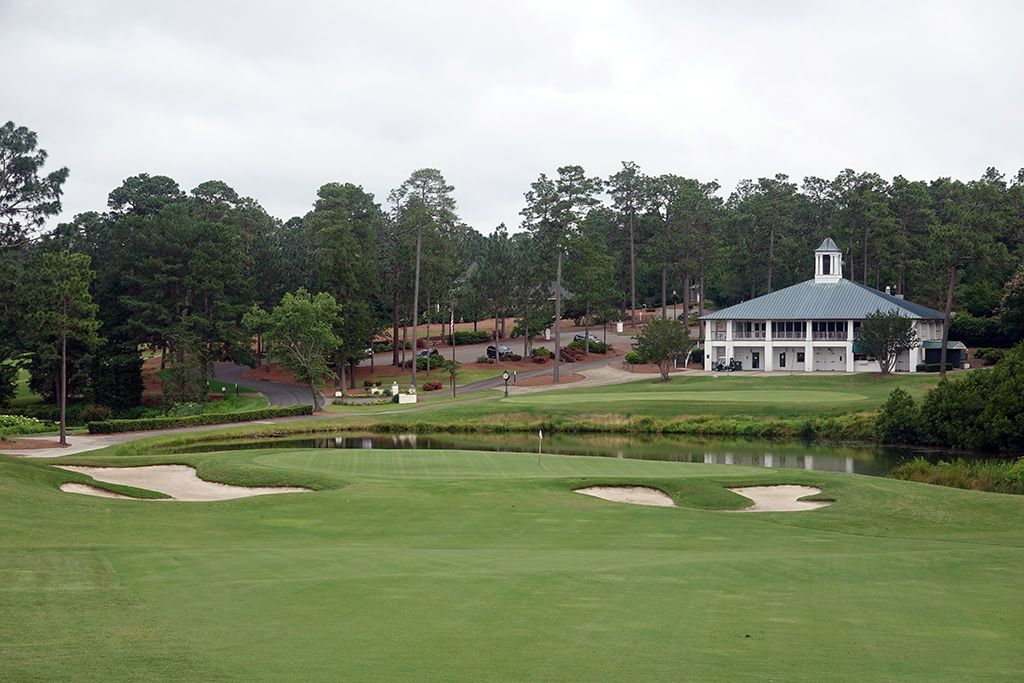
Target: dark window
826, 264
782, 359
799, 356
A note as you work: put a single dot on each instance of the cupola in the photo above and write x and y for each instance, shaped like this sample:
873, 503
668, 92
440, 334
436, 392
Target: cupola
828, 262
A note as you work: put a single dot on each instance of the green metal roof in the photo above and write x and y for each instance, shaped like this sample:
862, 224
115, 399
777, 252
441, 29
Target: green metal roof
812, 300
827, 245
937, 344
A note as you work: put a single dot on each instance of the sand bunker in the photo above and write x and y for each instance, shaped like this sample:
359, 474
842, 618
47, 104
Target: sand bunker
780, 498
180, 482
636, 495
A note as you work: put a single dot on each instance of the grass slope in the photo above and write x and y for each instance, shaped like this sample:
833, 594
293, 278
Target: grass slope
453, 565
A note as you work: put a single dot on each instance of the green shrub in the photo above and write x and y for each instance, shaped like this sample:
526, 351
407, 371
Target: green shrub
989, 355
469, 337
94, 413
933, 367
430, 362
182, 410
898, 419
542, 352
636, 358
117, 426
19, 424
697, 355
595, 347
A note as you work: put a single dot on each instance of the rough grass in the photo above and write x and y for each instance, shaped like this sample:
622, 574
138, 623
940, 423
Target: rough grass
1001, 476
484, 566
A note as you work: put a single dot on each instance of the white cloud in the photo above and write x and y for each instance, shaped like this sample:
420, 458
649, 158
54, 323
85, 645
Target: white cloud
278, 98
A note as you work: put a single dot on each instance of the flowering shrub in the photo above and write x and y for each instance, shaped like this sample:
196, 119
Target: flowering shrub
18, 424
432, 386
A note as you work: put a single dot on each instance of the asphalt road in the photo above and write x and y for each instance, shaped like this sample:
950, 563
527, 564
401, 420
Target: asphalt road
277, 393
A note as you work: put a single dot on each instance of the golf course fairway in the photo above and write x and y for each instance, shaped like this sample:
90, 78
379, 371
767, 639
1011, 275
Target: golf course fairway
473, 566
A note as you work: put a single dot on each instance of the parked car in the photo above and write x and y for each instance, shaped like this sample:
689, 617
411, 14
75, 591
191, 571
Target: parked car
426, 353
581, 336
500, 349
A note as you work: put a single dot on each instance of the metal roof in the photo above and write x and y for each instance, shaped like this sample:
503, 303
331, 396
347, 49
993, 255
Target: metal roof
811, 300
827, 245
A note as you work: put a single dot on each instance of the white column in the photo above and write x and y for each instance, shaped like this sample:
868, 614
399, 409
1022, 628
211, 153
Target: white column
912, 358
808, 349
728, 352
849, 356
728, 330
769, 353
849, 330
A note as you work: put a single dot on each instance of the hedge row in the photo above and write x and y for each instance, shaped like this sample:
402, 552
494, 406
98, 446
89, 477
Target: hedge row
115, 426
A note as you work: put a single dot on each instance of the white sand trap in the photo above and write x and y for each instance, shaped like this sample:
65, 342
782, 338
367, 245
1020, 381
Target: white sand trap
178, 481
636, 495
72, 487
780, 498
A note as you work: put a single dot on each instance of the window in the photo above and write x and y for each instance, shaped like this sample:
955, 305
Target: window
799, 356
826, 264
782, 359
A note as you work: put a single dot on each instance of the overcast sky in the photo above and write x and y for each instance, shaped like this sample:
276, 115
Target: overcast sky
277, 98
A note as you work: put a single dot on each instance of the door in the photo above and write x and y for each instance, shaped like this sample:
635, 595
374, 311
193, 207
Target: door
755, 360
782, 359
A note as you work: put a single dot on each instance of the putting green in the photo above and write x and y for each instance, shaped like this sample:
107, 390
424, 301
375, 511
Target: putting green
748, 396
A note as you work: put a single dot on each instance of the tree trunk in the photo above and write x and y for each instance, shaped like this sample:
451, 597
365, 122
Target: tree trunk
771, 260
394, 328
428, 324
632, 272
686, 298
416, 301
586, 331
339, 377
945, 320
318, 399
663, 367
558, 317
497, 356
63, 397
664, 292
865, 280
700, 302
352, 374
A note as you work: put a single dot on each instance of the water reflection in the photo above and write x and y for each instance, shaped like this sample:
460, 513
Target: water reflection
808, 456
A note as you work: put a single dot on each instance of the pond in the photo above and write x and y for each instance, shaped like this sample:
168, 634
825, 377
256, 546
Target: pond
875, 461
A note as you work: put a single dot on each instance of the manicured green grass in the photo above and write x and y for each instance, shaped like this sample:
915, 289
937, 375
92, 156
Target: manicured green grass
215, 387
633, 398
471, 566
24, 396
235, 404
731, 395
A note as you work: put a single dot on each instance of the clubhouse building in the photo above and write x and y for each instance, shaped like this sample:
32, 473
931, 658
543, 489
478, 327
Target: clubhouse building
811, 326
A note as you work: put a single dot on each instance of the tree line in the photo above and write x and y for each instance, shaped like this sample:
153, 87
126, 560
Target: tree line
174, 271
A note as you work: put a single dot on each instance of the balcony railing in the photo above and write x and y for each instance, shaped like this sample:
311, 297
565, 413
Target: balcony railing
829, 336
777, 334
717, 336
748, 334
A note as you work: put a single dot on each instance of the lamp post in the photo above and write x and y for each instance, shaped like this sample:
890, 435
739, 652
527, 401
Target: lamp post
505, 376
